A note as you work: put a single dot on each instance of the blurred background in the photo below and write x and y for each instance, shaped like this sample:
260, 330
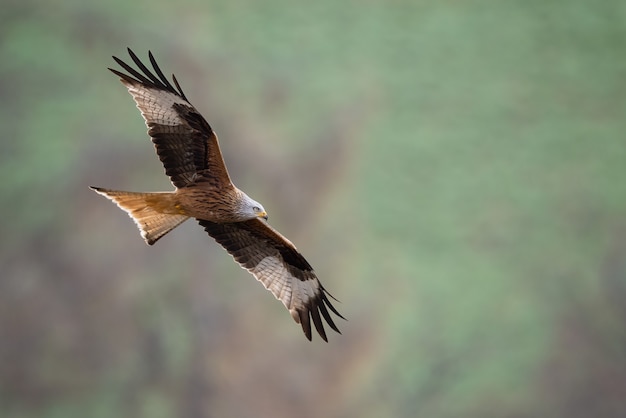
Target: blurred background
455, 172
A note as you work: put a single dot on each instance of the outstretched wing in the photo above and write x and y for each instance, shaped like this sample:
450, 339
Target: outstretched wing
275, 262
184, 141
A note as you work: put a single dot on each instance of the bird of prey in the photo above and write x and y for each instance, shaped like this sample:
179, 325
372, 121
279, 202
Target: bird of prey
188, 148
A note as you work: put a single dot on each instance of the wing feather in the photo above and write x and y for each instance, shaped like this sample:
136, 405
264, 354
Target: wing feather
184, 141
275, 262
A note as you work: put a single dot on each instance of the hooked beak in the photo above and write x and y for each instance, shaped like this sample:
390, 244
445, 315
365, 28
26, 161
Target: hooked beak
262, 214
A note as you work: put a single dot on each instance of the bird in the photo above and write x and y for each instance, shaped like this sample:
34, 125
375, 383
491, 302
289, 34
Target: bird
189, 151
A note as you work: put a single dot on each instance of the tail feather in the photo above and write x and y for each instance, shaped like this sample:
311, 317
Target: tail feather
155, 214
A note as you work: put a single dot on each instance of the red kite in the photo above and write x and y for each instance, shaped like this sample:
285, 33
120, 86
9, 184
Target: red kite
189, 151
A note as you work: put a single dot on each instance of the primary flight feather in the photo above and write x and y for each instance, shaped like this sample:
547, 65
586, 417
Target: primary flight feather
189, 151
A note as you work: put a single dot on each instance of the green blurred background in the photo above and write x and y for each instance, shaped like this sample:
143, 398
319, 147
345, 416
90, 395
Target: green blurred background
454, 170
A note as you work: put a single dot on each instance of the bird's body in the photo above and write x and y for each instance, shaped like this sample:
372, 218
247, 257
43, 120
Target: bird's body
189, 151
212, 204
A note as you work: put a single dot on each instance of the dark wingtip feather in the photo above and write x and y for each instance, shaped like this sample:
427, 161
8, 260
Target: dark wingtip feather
312, 313
319, 313
317, 321
139, 77
330, 305
327, 317
160, 74
145, 69
146, 76
306, 323
180, 90
122, 76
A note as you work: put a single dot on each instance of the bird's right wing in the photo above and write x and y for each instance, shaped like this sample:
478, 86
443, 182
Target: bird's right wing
184, 141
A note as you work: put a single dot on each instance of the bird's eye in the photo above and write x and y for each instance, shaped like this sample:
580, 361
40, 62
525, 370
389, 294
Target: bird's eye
256, 209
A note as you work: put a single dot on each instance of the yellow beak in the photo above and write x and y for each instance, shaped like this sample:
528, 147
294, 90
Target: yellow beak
262, 215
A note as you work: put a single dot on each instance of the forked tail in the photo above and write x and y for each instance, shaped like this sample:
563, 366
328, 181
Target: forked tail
155, 214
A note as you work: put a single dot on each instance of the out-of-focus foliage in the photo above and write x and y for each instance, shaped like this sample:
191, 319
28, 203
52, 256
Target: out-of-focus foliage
455, 171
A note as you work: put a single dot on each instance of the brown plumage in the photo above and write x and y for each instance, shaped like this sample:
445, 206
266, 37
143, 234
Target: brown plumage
189, 151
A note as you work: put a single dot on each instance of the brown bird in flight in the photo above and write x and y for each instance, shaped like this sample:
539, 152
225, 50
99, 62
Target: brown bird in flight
189, 151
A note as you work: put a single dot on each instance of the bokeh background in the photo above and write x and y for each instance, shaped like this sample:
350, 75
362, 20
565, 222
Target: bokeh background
455, 171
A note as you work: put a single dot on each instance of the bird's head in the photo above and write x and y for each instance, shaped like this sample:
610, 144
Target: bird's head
252, 209
259, 212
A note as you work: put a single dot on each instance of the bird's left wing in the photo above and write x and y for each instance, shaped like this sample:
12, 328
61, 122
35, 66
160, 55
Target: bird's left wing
184, 141
274, 261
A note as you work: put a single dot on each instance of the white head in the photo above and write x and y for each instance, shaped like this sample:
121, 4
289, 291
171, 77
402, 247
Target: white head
251, 209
